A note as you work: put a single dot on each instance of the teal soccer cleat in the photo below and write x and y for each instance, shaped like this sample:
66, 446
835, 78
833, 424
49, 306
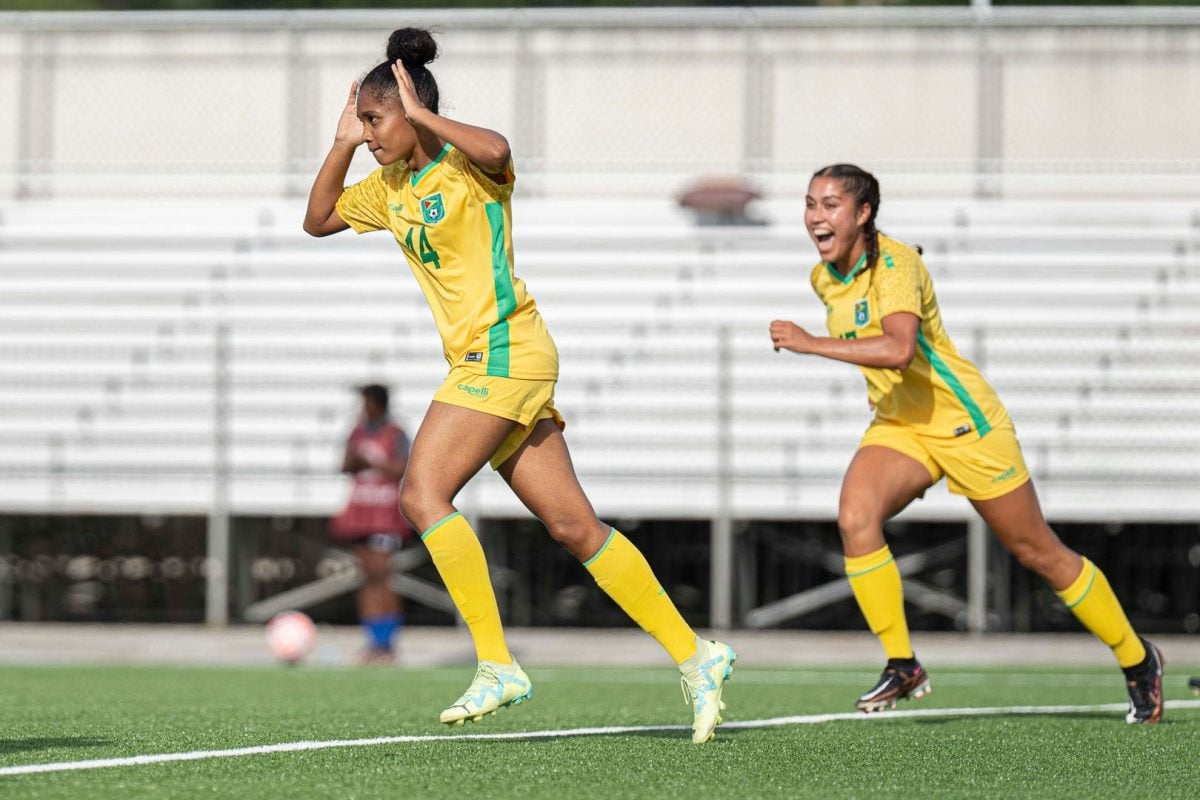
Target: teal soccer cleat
704, 676
495, 686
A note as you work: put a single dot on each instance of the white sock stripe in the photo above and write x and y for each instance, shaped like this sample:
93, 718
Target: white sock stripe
810, 719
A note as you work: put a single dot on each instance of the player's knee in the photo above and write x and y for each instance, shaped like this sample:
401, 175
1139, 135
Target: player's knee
1035, 556
856, 523
409, 503
575, 535
418, 505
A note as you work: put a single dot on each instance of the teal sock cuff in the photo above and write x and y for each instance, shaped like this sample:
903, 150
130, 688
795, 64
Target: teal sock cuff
440, 523
611, 533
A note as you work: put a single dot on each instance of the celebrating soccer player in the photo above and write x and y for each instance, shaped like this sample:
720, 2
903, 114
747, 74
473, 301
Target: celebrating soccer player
935, 416
444, 191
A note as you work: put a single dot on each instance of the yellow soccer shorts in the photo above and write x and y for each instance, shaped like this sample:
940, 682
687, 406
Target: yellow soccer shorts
979, 469
526, 402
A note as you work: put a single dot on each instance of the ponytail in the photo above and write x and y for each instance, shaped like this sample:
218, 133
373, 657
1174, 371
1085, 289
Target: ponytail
872, 237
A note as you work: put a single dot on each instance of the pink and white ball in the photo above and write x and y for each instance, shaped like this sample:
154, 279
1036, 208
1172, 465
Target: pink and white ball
291, 636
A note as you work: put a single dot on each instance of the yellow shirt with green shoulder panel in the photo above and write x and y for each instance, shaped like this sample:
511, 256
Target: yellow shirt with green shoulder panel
940, 393
454, 224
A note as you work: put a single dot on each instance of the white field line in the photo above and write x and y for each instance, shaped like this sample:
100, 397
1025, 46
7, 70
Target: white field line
852, 677
773, 722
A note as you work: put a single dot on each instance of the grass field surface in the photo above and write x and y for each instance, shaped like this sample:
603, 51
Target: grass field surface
999, 744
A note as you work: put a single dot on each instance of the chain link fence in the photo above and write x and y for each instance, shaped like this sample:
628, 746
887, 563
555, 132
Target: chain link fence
617, 102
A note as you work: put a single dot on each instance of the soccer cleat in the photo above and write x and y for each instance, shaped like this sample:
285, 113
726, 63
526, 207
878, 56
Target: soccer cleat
495, 686
901, 679
704, 676
1144, 683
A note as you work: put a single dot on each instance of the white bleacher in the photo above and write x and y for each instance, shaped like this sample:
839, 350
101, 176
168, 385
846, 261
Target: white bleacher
1083, 315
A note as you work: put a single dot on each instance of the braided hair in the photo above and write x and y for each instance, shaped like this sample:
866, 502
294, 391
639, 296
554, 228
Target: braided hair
865, 188
414, 48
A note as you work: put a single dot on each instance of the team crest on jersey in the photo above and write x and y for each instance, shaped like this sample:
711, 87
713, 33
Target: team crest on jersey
862, 312
433, 209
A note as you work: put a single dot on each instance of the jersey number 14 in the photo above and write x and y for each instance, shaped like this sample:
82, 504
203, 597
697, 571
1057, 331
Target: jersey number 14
426, 251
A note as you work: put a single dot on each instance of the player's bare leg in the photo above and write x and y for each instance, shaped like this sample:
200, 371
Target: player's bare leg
1016, 519
542, 475
879, 484
452, 445
1018, 522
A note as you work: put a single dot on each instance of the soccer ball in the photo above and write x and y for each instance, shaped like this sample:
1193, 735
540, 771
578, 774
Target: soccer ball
291, 636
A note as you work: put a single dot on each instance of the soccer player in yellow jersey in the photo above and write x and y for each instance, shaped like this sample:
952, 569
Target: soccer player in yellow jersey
935, 416
444, 191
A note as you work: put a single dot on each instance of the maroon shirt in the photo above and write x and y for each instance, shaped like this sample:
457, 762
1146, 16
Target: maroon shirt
374, 504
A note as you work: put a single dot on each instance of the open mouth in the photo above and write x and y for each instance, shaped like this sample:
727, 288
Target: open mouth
823, 236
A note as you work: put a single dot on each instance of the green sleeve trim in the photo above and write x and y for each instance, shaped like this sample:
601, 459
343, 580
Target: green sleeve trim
871, 569
506, 296
611, 533
425, 169
960, 391
440, 523
1091, 580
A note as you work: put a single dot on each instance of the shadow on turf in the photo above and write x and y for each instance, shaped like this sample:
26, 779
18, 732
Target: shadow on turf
49, 743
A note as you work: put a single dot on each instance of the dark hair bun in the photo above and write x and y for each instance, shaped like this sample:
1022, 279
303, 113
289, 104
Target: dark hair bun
414, 47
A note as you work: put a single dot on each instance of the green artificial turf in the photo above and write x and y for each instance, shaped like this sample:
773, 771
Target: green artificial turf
57, 714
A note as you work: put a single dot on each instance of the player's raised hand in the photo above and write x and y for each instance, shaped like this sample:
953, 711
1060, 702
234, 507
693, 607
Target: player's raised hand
789, 336
350, 127
408, 91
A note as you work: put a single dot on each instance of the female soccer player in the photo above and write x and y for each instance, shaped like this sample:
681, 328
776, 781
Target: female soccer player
444, 191
935, 416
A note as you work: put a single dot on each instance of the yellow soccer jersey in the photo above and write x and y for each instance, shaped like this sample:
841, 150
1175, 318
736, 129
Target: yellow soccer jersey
454, 224
941, 393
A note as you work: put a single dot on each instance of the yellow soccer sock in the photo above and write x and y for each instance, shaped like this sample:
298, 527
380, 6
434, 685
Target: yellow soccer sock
621, 570
875, 579
1093, 603
459, 559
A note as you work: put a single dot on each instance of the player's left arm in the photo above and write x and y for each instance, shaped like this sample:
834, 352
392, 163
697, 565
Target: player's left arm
892, 350
486, 148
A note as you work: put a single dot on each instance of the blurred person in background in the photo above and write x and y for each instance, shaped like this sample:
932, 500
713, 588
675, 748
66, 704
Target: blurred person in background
935, 416
444, 191
371, 523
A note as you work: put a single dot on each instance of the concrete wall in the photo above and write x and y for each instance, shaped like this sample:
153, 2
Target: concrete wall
617, 102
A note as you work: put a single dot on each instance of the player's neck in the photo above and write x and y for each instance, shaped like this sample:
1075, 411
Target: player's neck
846, 264
428, 148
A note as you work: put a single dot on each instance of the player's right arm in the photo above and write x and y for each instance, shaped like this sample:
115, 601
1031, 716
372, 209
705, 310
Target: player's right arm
321, 217
893, 350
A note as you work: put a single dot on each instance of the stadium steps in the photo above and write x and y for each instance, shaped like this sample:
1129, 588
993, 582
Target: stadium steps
1082, 314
